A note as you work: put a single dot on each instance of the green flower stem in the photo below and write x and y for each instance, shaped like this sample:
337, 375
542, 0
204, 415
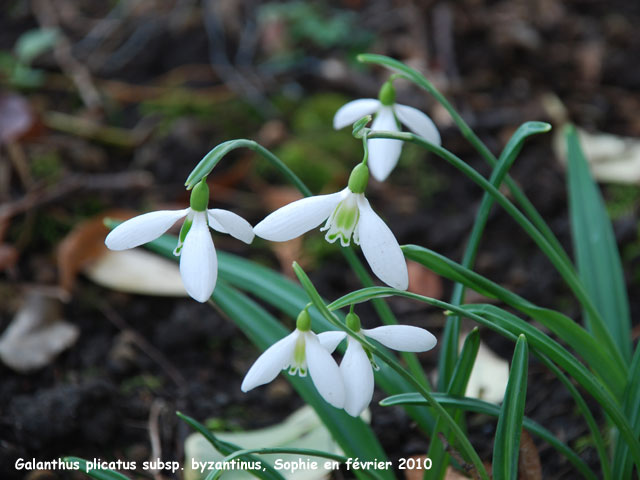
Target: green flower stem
415, 77
465, 445
211, 159
559, 261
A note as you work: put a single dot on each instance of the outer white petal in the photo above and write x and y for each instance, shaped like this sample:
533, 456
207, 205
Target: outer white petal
331, 340
324, 371
298, 217
381, 248
404, 338
271, 362
384, 153
198, 261
231, 223
142, 229
358, 378
418, 122
354, 111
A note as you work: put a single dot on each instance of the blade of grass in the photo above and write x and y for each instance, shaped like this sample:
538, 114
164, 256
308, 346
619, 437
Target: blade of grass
622, 464
595, 248
506, 447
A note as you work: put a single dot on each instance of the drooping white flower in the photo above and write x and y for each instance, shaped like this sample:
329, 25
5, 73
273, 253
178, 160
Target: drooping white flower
384, 153
347, 214
356, 366
299, 352
198, 260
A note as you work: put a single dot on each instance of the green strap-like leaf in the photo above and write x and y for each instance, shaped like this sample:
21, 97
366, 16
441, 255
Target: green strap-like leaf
353, 435
622, 464
596, 250
510, 327
486, 408
506, 447
98, 474
579, 339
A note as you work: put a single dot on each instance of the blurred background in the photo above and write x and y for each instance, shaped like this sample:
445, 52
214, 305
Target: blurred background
105, 107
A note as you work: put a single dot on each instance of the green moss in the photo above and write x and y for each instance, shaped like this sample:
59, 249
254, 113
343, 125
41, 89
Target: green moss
46, 166
621, 199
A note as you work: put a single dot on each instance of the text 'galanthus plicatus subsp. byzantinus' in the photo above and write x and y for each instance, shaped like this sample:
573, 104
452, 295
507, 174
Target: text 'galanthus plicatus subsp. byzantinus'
302, 351
383, 152
348, 214
357, 365
198, 260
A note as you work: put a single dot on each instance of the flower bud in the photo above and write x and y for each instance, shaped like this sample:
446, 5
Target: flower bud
200, 196
359, 178
387, 94
303, 323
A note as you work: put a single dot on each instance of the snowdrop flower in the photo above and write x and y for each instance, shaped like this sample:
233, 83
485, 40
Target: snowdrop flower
198, 260
357, 365
348, 214
300, 351
383, 152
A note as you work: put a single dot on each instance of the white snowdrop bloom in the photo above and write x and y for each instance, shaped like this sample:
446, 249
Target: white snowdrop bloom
299, 352
357, 365
383, 152
198, 260
347, 214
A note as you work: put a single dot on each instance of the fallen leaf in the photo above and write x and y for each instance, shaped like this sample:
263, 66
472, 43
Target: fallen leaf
489, 376
83, 245
423, 281
611, 158
529, 466
137, 271
36, 334
8, 256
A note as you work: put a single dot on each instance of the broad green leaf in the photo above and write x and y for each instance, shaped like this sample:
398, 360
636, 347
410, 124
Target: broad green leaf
354, 436
486, 408
506, 447
98, 474
595, 248
580, 340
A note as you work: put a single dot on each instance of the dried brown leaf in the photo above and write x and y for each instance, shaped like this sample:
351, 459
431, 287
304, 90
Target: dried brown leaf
423, 281
529, 466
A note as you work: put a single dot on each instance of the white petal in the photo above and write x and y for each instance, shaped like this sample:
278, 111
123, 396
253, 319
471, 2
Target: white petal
198, 261
324, 372
354, 111
298, 217
404, 338
381, 248
271, 362
418, 122
142, 229
383, 152
358, 378
331, 340
231, 223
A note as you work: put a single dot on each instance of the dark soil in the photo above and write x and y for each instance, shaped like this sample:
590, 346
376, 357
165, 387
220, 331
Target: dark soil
142, 356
